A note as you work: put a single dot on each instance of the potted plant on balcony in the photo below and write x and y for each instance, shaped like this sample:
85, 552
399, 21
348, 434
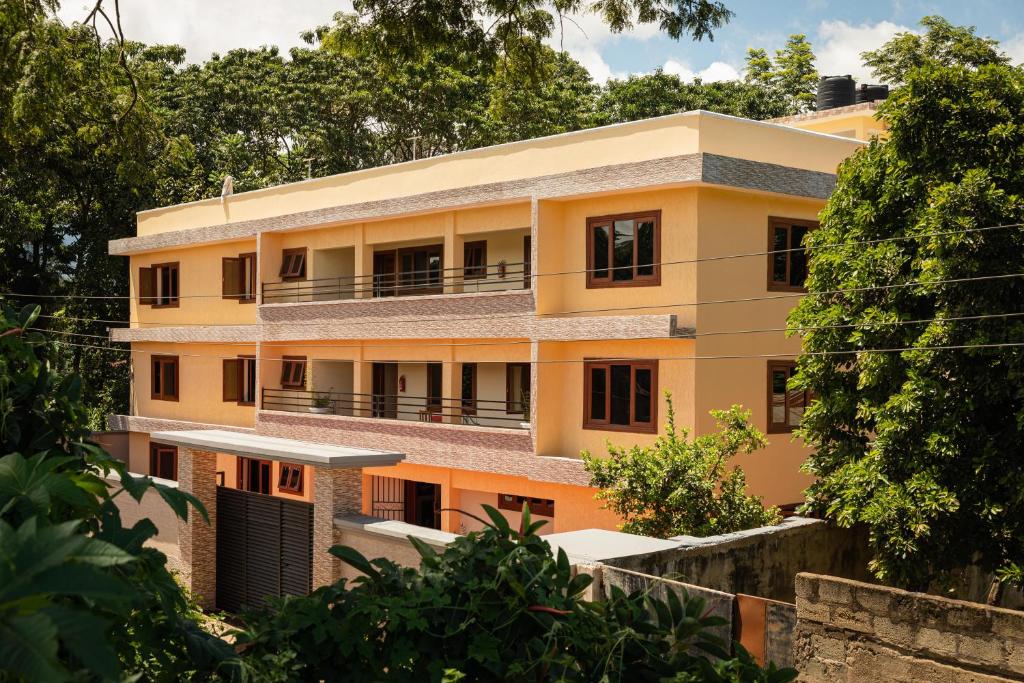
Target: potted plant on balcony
322, 403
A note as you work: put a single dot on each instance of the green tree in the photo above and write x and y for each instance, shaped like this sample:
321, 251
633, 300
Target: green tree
941, 44
680, 486
495, 605
792, 72
922, 446
658, 93
80, 596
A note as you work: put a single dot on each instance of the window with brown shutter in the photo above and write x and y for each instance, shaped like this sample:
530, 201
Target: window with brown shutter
232, 379
787, 259
293, 263
163, 461
290, 479
293, 372
146, 286
785, 406
239, 380
164, 293
624, 250
537, 506
231, 277
164, 378
474, 260
254, 475
620, 395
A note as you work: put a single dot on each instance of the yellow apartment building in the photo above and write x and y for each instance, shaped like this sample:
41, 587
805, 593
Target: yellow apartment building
483, 317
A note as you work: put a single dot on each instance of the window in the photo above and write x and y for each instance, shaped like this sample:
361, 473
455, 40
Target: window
254, 475
240, 380
163, 461
517, 388
623, 251
787, 260
415, 270
621, 396
165, 378
474, 260
290, 479
293, 264
785, 406
537, 506
293, 372
238, 278
434, 372
469, 388
158, 285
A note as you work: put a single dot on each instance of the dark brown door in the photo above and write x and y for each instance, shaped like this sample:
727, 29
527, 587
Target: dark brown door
423, 504
434, 374
385, 390
419, 270
527, 262
384, 263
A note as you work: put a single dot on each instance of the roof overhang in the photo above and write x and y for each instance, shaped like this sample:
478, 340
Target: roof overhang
275, 448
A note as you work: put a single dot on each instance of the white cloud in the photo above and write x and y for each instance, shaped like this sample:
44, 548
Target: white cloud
716, 71
840, 44
204, 27
1014, 48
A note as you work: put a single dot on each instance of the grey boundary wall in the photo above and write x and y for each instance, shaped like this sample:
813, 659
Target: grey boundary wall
853, 631
762, 561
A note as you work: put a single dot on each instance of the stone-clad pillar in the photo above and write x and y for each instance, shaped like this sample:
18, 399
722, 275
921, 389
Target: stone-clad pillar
335, 492
197, 540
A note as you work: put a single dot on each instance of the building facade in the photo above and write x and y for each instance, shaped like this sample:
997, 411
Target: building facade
488, 315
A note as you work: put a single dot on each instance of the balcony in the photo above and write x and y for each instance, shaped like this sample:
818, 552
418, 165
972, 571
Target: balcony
495, 277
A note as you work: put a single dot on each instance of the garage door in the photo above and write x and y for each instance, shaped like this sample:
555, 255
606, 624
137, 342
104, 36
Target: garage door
264, 548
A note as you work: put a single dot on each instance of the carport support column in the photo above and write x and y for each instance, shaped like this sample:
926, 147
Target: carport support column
197, 539
336, 492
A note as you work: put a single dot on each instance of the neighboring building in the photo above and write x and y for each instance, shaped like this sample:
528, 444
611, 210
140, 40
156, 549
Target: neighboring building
489, 314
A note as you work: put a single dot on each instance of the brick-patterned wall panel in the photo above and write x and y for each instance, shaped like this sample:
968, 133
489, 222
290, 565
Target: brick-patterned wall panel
148, 425
852, 631
335, 492
441, 445
197, 538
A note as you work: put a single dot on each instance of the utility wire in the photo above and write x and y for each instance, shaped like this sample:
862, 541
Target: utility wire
705, 259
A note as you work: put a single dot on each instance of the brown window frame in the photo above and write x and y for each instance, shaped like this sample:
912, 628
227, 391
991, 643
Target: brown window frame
606, 424
156, 450
775, 222
538, 506
286, 376
298, 272
242, 283
479, 270
161, 360
468, 404
148, 295
236, 393
435, 387
512, 403
244, 482
285, 474
652, 280
783, 427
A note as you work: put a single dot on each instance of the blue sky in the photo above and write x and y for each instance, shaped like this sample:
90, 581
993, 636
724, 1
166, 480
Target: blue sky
838, 29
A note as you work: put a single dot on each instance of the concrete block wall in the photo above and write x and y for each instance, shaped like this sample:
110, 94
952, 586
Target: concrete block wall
853, 631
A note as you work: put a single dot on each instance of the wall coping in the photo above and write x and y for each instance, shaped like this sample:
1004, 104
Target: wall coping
375, 526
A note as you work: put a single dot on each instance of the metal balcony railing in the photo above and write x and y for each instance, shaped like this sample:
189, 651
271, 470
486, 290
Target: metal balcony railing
479, 412
486, 278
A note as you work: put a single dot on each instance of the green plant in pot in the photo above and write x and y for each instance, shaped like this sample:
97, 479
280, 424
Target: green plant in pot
322, 403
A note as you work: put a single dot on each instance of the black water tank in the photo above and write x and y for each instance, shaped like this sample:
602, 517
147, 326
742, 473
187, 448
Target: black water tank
871, 93
835, 91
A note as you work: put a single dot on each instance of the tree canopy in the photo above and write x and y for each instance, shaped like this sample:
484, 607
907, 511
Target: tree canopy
923, 445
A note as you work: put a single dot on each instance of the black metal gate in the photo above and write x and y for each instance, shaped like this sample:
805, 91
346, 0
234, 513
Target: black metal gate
264, 548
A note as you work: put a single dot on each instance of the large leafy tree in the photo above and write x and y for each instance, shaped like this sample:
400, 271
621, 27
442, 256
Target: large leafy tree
923, 445
791, 74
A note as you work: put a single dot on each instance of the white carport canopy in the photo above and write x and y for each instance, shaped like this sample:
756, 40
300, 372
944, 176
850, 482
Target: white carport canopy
274, 448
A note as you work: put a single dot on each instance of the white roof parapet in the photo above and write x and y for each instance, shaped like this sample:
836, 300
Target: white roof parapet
275, 448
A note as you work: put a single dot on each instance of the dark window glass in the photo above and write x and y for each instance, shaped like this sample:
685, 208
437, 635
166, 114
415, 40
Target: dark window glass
468, 387
642, 396
158, 384
169, 387
779, 378
598, 392
780, 258
600, 251
623, 252
645, 248
620, 388
798, 258
434, 385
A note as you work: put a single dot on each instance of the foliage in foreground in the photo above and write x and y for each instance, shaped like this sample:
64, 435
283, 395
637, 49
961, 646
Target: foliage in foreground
80, 596
495, 605
680, 486
923, 446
